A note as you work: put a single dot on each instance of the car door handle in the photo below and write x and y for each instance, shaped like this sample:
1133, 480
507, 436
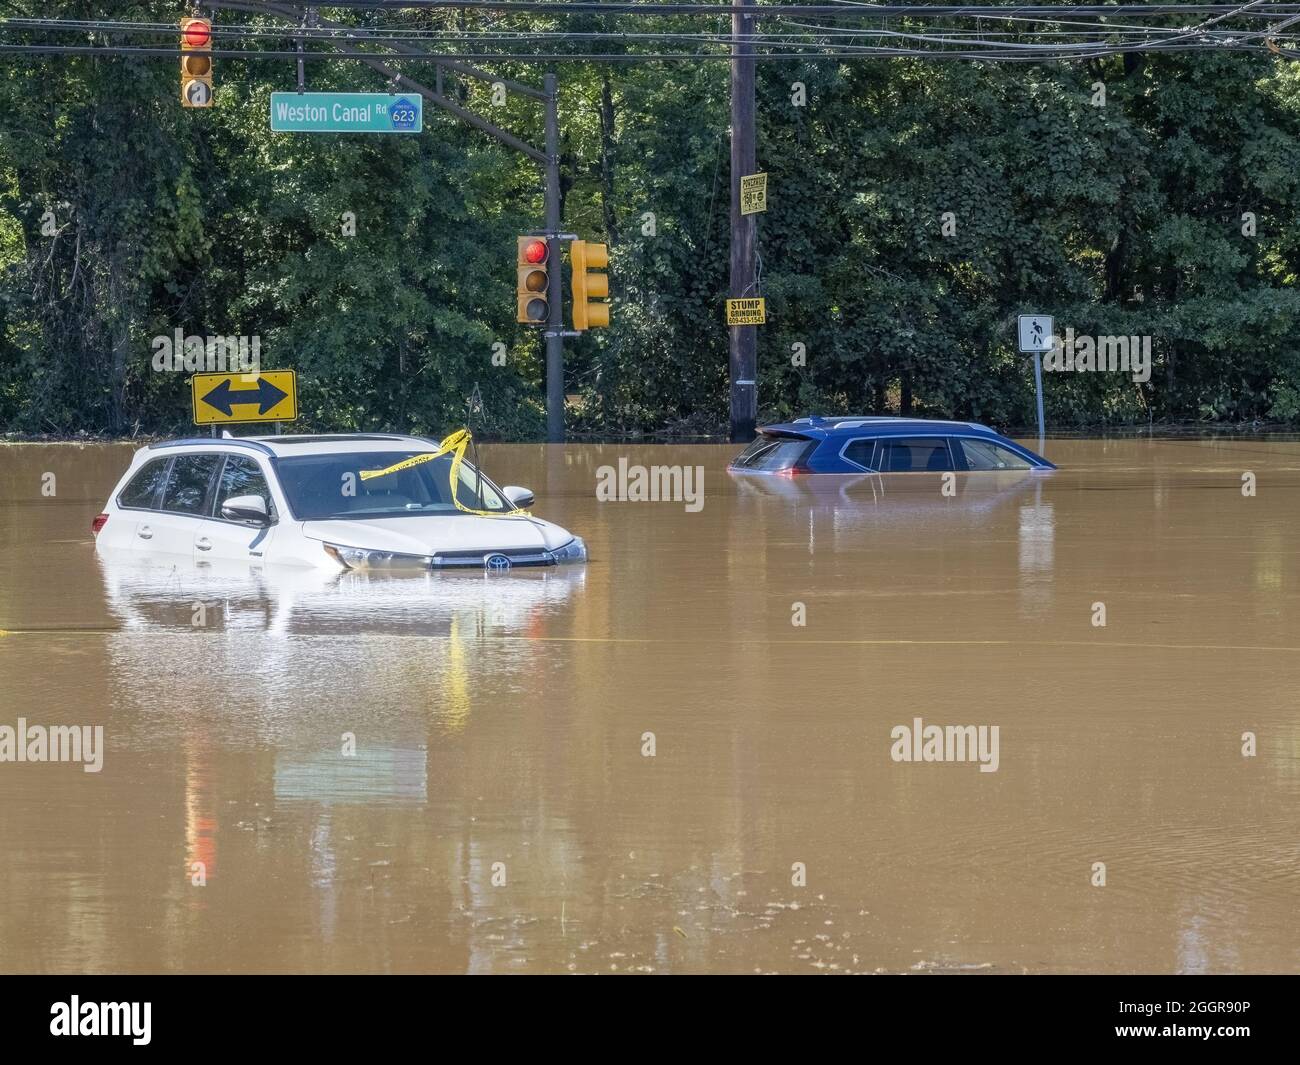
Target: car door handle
203, 543
144, 532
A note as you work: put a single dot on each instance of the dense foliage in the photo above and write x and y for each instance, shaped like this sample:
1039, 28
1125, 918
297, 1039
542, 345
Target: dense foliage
1131, 217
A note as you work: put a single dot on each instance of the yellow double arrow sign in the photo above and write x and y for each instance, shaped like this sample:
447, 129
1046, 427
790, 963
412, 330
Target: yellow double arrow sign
227, 397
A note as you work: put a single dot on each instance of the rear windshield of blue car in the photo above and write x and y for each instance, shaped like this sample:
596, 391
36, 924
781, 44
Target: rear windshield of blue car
772, 453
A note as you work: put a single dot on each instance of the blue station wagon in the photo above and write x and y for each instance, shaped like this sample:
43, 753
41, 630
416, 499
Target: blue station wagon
882, 445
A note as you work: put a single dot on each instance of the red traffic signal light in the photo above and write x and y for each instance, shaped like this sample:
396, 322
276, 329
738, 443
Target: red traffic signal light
533, 281
196, 32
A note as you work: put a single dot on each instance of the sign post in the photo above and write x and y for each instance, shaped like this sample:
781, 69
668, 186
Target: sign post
1036, 337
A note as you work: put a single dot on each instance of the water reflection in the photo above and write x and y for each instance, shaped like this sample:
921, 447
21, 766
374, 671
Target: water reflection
200, 817
893, 498
1036, 535
364, 775
167, 592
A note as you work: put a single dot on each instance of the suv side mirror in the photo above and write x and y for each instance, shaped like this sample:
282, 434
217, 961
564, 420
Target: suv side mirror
246, 508
520, 497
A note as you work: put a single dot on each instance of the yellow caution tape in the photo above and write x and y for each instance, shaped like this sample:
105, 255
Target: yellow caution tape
456, 443
405, 464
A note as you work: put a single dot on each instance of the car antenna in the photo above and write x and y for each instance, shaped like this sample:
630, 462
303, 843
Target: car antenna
474, 405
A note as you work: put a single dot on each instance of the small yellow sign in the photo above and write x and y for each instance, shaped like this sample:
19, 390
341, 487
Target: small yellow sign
746, 312
268, 396
753, 193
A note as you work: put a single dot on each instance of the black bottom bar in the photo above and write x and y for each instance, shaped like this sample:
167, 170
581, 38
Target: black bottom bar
1226, 1015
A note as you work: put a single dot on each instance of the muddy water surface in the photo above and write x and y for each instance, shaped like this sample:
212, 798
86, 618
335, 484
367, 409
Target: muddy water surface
500, 814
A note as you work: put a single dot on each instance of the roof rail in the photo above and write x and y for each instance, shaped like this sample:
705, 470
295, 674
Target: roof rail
206, 441
325, 438
338, 436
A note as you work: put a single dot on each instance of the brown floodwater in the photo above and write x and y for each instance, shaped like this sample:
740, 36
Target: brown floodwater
501, 812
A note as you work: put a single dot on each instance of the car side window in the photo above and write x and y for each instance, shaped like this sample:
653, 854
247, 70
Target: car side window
986, 455
861, 452
188, 483
141, 492
474, 491
241, 476
919, 454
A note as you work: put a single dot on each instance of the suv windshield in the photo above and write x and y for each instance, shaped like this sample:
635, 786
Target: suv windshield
365, 485
771, 453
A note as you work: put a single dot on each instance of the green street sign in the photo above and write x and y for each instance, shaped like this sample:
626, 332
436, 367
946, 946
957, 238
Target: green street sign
346, 112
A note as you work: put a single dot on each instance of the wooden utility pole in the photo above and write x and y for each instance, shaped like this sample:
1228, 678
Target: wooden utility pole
744, 228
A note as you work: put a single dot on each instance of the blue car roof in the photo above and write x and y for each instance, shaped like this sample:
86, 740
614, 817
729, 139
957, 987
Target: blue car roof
816, 427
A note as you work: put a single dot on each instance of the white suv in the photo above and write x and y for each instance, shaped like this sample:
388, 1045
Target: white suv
346, 502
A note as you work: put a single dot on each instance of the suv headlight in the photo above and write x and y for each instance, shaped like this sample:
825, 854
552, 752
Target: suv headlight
574, 551
360, 558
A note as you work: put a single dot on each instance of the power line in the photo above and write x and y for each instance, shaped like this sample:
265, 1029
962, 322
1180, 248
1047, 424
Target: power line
791, 39
1156, 34
836, 11
235, 31
810, 53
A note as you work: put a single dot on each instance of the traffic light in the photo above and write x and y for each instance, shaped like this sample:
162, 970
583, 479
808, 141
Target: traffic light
196, 62
534, 280
585, 258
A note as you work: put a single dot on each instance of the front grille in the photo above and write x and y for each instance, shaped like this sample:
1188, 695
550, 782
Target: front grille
519, 556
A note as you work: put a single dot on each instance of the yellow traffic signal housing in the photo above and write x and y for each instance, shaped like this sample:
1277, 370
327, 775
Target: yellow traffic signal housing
196, 62
534, 280
585, 258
